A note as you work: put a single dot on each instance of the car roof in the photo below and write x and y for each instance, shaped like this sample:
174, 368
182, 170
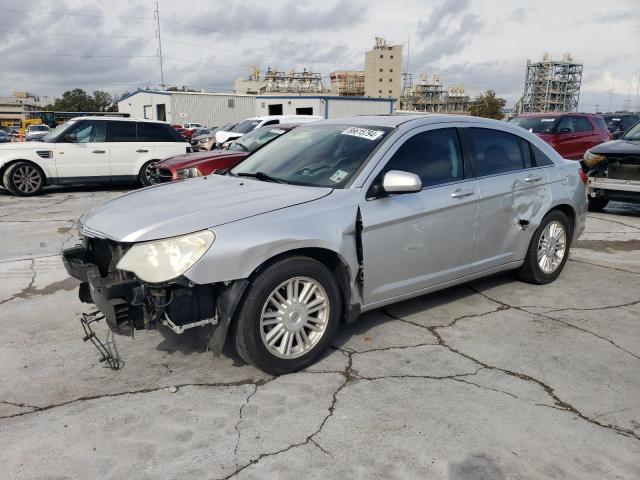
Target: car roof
396, 120
557, 114
119, 119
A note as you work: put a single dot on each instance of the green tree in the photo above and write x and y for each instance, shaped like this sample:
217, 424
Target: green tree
102, 101
487, 105
77, 100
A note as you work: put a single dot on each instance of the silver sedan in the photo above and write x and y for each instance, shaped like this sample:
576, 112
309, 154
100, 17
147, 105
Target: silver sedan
331, 220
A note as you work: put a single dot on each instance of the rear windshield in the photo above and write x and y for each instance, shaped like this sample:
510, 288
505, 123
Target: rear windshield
246, 126
633, 134
315, 155
536, 124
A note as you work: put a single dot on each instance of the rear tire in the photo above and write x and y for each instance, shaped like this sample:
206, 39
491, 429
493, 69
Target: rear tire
145, 177
24, 179
548, 251
597, 204
288, 316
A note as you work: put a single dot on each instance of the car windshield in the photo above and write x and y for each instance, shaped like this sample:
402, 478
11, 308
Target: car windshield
53, 134
246, 126
536, 124
39, 128
315, 155
254, 140
633, 134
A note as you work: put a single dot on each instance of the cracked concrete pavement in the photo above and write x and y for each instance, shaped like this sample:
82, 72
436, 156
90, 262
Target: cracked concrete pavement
492, 380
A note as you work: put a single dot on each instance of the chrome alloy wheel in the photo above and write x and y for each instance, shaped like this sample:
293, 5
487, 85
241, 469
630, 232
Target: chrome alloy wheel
552, 247
294, 317
149, 173
27, 179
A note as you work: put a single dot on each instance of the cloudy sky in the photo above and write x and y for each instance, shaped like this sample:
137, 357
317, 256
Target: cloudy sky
48, 47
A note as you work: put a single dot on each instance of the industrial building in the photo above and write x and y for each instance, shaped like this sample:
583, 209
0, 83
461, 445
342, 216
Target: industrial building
251, 85
383, 70
347, 83
551, 85
212, 109
328, 106
430, 95
16, 108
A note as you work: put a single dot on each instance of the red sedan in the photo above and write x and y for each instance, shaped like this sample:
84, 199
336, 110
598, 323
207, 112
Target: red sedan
204, 163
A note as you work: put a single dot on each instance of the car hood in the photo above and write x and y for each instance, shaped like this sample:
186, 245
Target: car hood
222, 136
179, 161
26, 146
617, 147
183, 207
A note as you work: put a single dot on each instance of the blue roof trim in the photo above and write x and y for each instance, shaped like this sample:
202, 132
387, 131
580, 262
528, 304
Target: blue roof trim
142, 91
325, 97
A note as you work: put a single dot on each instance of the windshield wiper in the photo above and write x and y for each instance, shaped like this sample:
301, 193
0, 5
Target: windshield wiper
262, 176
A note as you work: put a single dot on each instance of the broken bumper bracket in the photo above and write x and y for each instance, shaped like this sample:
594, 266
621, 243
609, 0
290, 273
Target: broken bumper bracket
107, 350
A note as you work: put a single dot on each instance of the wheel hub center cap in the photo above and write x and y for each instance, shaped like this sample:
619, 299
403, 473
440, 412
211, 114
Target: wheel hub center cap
294, 317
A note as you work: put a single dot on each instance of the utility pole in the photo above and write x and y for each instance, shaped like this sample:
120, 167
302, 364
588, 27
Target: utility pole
156, 15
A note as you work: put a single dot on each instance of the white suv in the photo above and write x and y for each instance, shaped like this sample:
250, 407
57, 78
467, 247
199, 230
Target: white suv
88, 150
251, 124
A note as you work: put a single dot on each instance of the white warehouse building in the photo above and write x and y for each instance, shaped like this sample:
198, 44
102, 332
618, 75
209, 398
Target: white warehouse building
327, 106
209, 109
215, 109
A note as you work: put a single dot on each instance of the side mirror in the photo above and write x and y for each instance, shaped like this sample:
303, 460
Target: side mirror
396, 181
617, 134
564, 130
70, 138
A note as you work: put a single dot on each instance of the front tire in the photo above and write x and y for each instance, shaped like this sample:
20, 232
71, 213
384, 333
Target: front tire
24, 179
548, 251
289, 316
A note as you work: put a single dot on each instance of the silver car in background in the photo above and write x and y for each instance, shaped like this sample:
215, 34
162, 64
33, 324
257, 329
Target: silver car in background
331, 220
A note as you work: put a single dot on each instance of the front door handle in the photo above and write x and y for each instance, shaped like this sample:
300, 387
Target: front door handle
98, 151
142, 150
461, 193
532, 179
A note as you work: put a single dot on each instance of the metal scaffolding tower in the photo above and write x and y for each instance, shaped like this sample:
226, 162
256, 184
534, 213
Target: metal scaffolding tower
551, 85
429, 95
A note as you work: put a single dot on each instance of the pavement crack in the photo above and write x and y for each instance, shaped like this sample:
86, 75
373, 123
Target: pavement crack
20, 405
237, 425
457, 379
603, 266
550, 391
614, 221
138, 392
348, 375
27, 291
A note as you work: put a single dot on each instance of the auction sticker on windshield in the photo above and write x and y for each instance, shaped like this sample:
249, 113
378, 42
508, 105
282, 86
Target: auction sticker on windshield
363, 133
338, 176
279, 131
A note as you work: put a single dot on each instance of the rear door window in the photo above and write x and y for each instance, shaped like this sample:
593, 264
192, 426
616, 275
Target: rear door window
566, 125
121, 131
582, 124
495, 152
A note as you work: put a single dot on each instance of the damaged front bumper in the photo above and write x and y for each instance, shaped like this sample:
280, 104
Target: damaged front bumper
129, 304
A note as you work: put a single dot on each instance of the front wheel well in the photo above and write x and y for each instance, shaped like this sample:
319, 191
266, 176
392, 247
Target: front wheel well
329, 259
6, 166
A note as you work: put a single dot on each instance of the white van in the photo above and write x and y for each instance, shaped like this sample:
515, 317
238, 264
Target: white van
251, 124
87, 150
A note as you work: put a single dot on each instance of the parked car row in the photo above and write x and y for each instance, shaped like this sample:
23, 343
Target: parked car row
608, 147
325, 221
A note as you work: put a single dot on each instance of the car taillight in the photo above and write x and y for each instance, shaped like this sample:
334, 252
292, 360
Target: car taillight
583, 176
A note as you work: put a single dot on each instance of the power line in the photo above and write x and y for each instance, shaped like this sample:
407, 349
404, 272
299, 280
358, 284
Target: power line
35, 12
83, 35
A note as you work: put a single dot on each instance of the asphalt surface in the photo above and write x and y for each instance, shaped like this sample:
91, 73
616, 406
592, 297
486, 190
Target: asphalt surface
492, 380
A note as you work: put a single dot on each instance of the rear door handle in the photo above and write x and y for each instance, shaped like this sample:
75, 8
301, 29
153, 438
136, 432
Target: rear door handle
532, 179
142, 150
98, 151
462, 193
